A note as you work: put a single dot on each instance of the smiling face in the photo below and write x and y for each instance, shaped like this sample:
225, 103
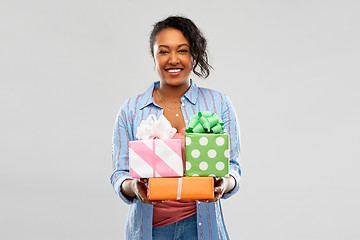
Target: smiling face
172, 57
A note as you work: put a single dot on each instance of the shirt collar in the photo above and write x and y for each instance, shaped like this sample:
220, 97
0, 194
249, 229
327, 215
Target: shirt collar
191, 94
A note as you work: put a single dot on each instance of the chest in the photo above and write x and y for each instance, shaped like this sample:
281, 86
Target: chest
175, 118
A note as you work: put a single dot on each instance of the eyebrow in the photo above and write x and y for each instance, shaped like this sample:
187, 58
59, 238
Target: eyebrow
184, 44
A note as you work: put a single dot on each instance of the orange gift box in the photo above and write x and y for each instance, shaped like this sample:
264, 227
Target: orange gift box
181, 188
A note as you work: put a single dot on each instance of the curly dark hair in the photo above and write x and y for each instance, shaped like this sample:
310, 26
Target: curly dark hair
193, 35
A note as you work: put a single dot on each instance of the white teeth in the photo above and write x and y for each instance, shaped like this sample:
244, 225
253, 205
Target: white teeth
174, 70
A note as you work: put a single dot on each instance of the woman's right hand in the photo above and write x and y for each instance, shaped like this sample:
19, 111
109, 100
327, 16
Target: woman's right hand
136, 188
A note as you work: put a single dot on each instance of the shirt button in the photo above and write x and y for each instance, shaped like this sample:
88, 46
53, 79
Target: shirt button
183, 104
199, 223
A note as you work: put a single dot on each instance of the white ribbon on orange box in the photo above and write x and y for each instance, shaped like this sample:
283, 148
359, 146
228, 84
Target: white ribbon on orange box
179, 189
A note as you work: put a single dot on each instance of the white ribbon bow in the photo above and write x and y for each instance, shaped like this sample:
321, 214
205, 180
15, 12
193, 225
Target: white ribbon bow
152, 128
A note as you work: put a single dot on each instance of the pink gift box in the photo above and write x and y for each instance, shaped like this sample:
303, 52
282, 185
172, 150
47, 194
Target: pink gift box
155, 158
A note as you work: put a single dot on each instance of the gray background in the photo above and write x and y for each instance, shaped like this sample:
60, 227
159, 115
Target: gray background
291, 69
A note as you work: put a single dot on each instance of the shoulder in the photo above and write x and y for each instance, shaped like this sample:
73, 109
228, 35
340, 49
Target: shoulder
128, 109
138, 100
212, 94
133, 101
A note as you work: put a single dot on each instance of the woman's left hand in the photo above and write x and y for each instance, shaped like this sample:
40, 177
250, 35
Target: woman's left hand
221, 185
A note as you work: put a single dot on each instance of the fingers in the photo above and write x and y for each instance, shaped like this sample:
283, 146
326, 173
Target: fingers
219, 189
142, 193
140, 190
219, 181
143, 180
218, 192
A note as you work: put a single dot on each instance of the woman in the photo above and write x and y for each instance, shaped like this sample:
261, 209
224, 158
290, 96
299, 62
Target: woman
178, 48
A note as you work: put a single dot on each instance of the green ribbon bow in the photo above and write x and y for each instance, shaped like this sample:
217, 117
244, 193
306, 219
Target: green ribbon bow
205, 122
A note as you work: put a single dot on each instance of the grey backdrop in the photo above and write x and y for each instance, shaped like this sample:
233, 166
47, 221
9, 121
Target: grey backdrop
291, 69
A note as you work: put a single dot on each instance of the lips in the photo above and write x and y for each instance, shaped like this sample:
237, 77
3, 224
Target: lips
174, 71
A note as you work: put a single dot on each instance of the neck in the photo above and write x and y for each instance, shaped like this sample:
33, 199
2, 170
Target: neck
173, 92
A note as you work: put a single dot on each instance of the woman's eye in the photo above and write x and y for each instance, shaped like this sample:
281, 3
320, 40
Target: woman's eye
163, 52
183, 51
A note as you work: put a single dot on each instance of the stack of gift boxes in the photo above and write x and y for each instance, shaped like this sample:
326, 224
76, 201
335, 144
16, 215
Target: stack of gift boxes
159, 158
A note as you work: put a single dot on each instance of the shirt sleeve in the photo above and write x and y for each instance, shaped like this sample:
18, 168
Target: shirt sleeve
120, 154
231, 126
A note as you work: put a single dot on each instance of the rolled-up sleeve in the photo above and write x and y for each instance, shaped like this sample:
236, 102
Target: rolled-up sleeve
231, 126
120, 155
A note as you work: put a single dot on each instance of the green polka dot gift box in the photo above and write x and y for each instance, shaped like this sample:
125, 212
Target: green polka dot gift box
206, 154
206, 147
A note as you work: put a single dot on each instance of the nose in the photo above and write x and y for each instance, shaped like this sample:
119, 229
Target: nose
173, 59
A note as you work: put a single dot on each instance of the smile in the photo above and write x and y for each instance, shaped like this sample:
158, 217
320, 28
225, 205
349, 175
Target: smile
174, 70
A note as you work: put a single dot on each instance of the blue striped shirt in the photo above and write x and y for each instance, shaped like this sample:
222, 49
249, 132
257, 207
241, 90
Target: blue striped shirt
209, 215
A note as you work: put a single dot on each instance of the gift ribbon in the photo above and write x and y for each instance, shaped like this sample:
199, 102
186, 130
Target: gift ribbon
154, 158
152, 127
179, 189
205, 122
